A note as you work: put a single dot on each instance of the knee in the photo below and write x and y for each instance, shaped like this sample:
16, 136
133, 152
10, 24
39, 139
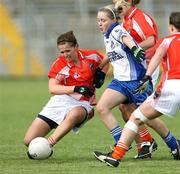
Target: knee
138, 117
101, 109
131, 125
26, 141
91, 114
136, 120
122, 107
150, 124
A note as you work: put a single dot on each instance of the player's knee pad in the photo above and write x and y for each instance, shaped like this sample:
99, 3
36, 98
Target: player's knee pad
132, 126
139, 115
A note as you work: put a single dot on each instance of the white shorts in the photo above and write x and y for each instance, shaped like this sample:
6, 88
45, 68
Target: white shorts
155, 77
59, 105
168, 102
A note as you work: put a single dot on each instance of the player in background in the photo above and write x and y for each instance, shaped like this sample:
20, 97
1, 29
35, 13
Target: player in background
165, 100
72, 80
144, 31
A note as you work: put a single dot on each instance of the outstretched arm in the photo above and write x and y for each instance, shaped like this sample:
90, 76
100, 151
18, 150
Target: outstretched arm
155, 61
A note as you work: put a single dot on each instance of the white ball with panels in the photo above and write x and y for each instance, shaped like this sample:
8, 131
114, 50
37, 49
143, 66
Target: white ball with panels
39, 148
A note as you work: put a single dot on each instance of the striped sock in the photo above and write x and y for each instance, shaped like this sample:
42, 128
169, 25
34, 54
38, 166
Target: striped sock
116, 133
170, 140
119, 150
144, 134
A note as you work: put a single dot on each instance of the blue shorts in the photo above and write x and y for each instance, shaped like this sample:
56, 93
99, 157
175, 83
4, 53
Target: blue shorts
127, 88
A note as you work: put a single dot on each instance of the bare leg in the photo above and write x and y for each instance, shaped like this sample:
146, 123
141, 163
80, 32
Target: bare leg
143, 134
159, 126
131, 128
75, 116
107, 102
128, 135
126, 110
38, 128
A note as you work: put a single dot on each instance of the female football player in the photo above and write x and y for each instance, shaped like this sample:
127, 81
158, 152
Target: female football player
72, 80
165, 100
129, 67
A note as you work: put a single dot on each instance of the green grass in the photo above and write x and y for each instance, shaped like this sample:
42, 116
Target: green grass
22, 99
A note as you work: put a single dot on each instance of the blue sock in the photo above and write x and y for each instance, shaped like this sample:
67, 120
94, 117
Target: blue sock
116, 133
170, 140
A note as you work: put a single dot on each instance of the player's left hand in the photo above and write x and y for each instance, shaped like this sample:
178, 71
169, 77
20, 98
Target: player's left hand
143, 84
139, 54
84, 90
99, 77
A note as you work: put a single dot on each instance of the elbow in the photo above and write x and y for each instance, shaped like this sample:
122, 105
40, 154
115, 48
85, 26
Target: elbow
152, 41
52, 91
53, 86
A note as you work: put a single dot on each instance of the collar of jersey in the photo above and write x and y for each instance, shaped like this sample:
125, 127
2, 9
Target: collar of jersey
131, 13
110, 29
80, 56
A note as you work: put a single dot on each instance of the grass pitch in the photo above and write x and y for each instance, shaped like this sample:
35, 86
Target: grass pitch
22, 99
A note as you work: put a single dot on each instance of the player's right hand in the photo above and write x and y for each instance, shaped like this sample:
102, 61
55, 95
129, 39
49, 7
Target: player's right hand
84, 90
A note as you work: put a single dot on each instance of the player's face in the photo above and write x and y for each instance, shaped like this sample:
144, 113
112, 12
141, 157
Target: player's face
104, 22
69, 52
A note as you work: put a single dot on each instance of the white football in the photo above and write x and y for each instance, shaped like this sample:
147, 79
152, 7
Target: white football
39, 148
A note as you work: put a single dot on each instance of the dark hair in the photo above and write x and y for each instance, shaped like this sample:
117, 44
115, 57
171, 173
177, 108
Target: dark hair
67, 37
174, 19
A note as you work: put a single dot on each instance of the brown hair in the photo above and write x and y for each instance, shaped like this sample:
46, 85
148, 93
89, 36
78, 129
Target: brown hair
67, 37
174, 19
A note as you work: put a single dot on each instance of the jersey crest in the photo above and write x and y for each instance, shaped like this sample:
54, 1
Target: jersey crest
76, 75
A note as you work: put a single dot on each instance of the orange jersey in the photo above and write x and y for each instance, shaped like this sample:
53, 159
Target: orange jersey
140, 26
171, 61
69, 74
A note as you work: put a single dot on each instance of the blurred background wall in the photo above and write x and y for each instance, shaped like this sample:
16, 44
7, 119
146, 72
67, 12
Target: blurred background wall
29, 29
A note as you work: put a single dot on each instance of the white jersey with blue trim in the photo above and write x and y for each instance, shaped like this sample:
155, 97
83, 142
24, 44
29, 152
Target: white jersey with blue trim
125, 67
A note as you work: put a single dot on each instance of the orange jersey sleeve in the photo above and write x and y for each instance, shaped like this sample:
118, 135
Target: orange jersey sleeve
171, 61
141, 26
70, 74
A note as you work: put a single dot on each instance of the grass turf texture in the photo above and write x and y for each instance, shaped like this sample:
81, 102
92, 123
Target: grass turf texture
22, 99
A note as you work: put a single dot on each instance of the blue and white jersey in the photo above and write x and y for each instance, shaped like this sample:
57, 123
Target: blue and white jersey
125, 66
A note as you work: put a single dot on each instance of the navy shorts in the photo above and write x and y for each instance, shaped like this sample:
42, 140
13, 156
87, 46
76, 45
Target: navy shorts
127, 88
